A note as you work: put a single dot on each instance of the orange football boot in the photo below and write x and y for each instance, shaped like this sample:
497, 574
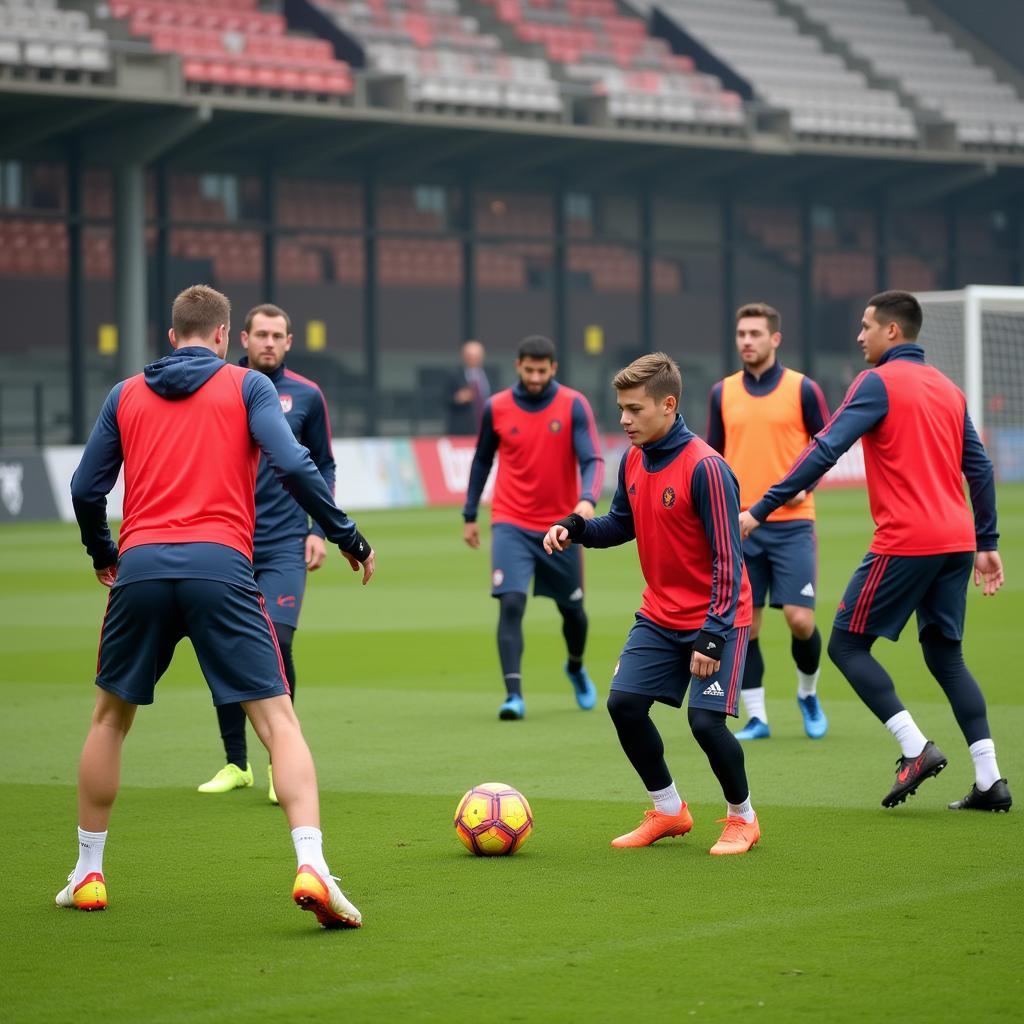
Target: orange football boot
89, 894
655, 826
325, 899
738, 836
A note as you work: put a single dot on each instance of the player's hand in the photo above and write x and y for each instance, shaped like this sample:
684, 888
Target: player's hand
557, 539
316, 552
748, 524
463, 396
368, 567
585, 509
988, 567
471, 534
109, 575
797, 498
702, 667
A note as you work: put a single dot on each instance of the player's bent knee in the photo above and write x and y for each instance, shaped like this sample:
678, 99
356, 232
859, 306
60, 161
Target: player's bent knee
800, 620
706, 724
113, 712
624, 707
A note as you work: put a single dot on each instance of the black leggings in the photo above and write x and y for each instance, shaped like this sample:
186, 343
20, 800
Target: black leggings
642, 743
852, 655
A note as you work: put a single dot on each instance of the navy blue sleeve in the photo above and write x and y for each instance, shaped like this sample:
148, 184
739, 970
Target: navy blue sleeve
977, 468
616, 525
815, 411
716, 499
316, 436
715, 433
292, 465
483, 459
94, 479
588, 451
865, 405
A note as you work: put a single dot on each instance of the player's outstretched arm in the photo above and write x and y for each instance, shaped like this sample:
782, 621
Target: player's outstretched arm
292, 465
988, 569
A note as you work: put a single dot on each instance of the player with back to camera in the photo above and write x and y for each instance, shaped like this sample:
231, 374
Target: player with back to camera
540, 430
285, 546
760, 419
680, 501
189, 430
919, 443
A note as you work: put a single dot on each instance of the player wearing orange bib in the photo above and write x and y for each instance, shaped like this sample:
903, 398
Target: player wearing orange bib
760, 419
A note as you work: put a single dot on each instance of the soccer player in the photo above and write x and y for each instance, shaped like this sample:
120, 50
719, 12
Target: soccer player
680, 500
285, 547
189, 430
540, 430
919, 443
760, 419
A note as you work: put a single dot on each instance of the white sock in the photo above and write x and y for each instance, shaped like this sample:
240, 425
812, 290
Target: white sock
909, 737
806, 685
309, 848
667, 800
90, 853
986, 771
744, 810
753, 701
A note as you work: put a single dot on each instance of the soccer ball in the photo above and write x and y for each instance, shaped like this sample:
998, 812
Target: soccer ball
493, 820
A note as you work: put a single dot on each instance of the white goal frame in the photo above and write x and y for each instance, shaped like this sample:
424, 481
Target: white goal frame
976, 300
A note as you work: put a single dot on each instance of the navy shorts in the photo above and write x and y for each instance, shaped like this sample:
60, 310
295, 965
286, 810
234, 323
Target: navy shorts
228, 625
782, 558
518, 555
281, 576
655, 663
886, 589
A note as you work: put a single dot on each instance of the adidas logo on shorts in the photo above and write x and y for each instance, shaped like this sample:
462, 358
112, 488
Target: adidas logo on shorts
714, 690
808, 590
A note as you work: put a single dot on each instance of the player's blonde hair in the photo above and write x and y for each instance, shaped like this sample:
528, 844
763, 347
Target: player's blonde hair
198, 311
657, 373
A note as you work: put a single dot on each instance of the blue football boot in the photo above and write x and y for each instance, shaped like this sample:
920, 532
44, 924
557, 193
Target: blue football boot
513, 709
583, 686
815, 722
755, 729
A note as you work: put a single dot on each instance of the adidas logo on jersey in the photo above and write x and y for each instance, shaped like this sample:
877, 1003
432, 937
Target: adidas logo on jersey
714, 690
632, 488
808, 590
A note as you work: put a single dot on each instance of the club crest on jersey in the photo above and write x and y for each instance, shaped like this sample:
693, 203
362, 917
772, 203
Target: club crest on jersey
286, 403
668, 497
555, 426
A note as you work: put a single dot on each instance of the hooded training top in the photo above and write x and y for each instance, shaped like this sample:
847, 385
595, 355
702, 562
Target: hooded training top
189, 430
680, 501
279, 518
760, 425
539, 440
919, 443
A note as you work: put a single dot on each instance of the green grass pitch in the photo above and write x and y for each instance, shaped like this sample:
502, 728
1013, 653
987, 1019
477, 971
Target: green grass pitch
844, 912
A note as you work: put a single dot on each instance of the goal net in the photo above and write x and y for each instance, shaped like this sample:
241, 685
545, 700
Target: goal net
976, 337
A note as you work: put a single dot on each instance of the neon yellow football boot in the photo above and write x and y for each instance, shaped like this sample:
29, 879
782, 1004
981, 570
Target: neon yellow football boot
228, 778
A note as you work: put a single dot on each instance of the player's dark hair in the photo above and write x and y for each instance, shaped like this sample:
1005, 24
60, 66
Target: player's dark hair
198, 311
657, 373
770, 313
267, 309
536, 346
900, 307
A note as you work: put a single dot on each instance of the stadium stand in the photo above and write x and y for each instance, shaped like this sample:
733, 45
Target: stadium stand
234, 45
447, 61
789, 69
36, 34
927, 64
610, 54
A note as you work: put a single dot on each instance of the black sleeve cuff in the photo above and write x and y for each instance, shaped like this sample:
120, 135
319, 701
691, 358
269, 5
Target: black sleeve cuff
359, 547
574, 525
711, 645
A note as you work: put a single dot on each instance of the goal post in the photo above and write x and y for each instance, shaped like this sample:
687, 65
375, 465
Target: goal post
976, 337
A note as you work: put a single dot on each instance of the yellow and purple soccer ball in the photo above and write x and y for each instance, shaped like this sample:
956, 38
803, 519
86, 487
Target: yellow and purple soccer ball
493, 820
